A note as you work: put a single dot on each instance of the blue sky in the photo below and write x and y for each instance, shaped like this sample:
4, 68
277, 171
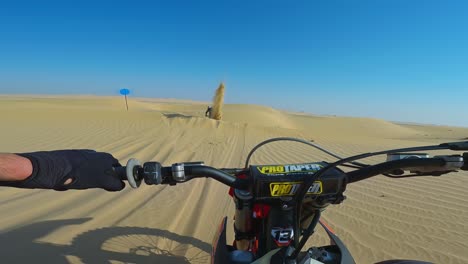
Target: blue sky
397, 60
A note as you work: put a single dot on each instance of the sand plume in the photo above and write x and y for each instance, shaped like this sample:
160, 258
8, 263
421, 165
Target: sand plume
218, 101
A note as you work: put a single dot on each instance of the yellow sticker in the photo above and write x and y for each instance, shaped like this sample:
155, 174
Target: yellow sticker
290, 188
271, 169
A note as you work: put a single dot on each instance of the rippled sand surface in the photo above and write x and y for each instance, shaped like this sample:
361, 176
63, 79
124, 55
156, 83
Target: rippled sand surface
417, 218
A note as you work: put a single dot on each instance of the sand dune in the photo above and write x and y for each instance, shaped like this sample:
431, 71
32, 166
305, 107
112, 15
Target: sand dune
382, 218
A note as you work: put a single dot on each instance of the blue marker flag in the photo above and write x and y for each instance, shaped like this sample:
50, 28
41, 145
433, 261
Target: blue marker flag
124, 91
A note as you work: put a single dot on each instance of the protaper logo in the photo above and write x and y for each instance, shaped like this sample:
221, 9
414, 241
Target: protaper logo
281, 169
290, 188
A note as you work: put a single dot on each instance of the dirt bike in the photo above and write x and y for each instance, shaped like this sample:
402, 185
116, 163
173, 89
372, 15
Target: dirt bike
279, 206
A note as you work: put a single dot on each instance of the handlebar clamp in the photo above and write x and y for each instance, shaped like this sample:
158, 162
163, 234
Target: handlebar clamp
178, 172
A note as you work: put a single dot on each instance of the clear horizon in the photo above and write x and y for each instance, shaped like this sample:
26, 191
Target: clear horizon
394, 60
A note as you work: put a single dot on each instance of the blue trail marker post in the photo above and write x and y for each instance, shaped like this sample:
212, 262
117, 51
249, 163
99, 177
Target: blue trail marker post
125, 92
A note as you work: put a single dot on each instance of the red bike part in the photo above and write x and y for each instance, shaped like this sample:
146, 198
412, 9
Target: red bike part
327, 226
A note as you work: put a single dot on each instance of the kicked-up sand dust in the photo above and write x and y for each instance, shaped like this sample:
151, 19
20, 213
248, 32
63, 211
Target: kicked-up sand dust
218, 101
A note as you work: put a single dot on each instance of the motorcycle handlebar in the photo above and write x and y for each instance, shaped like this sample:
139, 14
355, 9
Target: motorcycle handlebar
179, 173
182, 172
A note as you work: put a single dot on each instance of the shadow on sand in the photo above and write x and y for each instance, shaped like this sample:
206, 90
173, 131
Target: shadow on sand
124, 244
176, 115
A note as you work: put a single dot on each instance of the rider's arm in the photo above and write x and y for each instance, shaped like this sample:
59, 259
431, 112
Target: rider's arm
14, 167
60, 170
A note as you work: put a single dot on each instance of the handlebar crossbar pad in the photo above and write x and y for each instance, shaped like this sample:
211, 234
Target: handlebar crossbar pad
274, 182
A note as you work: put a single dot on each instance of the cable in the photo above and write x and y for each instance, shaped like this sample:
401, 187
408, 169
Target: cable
358, 164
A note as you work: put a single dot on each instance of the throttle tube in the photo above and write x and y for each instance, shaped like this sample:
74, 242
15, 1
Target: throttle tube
121, 172
374, 170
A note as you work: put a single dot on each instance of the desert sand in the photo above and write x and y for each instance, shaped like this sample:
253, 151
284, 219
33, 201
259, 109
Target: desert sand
416, 218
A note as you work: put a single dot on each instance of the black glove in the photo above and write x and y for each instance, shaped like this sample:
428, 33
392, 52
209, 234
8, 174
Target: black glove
86, 168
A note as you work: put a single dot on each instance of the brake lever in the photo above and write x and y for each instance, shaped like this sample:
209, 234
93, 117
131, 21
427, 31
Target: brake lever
451, 163
433, 173
461, 145
465, 159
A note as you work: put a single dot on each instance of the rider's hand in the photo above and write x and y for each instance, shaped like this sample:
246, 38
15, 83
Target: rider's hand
71, 169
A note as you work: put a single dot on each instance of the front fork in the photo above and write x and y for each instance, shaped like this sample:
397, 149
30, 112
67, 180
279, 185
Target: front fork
243, 228
243, 220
